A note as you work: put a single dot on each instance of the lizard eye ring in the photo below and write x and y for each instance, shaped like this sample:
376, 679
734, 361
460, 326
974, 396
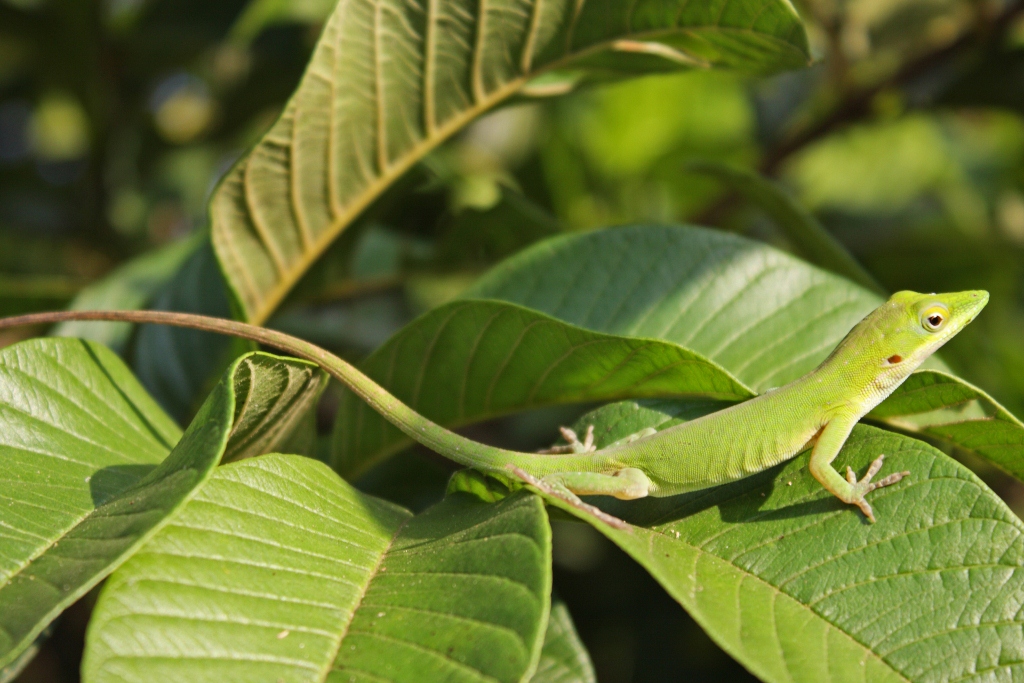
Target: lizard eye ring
934, 318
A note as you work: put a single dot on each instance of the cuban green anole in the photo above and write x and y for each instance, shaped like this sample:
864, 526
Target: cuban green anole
819, 409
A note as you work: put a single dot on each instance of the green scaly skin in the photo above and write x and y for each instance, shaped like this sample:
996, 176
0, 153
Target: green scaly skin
820, 408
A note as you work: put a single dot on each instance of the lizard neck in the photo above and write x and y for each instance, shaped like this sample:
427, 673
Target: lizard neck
855, 378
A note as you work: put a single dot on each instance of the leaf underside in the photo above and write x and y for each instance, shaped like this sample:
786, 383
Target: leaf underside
390, 80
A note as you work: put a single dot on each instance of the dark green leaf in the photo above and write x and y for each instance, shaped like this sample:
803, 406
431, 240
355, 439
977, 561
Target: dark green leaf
563, 659
178, 366
947, 408
797, 586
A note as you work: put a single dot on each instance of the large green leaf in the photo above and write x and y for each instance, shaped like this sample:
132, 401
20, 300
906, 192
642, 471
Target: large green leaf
761, 314
472, 360
389, 81
90, 469
798, 586
80, 445
280, 571
764, 315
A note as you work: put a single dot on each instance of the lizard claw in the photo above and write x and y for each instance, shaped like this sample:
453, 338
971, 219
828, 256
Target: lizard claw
588, 439
865, 507
873, 469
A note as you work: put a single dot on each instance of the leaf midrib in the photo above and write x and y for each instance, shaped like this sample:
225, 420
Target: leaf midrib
360, 598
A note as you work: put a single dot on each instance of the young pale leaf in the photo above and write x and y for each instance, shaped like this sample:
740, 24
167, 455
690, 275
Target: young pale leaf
472, 360
90, 469
130, 286
797, 586
389, 81
563, 658
762, 315
280, 571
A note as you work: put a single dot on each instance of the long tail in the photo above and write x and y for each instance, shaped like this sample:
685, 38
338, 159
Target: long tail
417, 427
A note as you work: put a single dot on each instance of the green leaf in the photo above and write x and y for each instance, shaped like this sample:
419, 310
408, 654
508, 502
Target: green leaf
563, 659
764, 316
797, 586
472, 360
90, 469
389, 82
801, 228
274, 396
130, 286
280, 571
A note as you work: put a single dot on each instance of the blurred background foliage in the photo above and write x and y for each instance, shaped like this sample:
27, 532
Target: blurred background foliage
117, 117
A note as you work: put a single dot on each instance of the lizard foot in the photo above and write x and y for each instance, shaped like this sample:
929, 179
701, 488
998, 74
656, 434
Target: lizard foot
568, 496
573, 443
865, 485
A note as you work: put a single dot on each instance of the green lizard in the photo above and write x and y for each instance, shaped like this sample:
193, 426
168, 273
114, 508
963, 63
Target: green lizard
820, 408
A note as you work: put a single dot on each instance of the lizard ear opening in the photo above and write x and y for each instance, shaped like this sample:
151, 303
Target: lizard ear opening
893, 360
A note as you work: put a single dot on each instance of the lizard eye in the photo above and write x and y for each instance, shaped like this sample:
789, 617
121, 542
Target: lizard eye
934, 318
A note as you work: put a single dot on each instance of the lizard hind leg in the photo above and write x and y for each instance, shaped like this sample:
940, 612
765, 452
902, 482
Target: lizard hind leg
627, 484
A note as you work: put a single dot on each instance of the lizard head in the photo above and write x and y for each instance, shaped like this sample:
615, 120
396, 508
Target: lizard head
910, 326
895, 338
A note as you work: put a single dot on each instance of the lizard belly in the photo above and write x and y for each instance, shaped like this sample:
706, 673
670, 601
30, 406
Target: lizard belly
698, 456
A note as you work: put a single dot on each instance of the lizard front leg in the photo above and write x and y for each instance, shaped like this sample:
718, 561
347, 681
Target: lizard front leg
849, 490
